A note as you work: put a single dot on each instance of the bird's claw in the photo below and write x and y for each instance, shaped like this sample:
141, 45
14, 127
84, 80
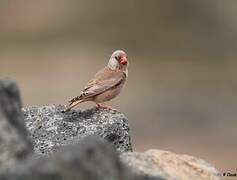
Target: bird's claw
105, 106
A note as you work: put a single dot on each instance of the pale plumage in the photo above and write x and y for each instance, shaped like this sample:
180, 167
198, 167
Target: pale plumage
106, 84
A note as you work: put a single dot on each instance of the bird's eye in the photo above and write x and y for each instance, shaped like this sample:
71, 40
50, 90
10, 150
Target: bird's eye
116, 57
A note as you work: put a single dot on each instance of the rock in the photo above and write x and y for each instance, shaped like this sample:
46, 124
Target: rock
50, 129
157, 163
14, 141
88, 158
91, 159
80, 145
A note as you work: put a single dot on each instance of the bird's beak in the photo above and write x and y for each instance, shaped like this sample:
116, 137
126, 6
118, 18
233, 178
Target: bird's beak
124, 60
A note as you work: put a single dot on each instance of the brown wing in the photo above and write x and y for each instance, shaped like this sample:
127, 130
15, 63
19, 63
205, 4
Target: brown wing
103, 81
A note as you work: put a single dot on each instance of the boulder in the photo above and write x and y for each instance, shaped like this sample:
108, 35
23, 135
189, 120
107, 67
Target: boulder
51, 129
93, 144
93, 158
168, 165
14, 141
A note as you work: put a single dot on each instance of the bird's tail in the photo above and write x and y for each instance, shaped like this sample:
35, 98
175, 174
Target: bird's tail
74, 102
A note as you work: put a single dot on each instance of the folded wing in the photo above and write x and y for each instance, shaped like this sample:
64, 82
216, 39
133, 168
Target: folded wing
103, 81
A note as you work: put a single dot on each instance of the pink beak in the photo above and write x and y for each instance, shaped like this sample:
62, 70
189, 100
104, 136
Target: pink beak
123, 60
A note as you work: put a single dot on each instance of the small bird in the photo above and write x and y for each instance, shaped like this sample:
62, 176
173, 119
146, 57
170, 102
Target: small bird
106, 84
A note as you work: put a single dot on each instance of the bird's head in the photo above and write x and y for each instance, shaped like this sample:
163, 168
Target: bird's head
118, 61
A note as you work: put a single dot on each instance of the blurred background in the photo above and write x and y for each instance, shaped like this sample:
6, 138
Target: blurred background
181, 93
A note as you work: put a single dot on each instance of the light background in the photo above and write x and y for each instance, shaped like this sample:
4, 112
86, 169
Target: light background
181, 93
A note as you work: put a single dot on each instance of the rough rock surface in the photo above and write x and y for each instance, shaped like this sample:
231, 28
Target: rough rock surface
14, 142
92, 159
157, 163
80, 156
50, 128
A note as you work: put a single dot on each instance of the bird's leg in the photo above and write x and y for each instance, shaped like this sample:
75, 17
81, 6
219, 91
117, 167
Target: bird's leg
105, 106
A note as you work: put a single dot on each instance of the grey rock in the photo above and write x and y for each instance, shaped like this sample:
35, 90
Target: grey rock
78, 156
14, 141
91, 159
51, 129
168, 165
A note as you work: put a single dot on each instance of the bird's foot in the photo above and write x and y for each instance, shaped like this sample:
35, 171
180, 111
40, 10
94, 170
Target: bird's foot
105, 106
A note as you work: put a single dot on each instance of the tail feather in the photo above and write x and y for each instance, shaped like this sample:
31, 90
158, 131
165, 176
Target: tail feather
75, 99
74, 102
